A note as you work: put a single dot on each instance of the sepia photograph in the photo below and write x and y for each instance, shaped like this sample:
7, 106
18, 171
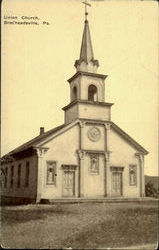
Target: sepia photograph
79, 124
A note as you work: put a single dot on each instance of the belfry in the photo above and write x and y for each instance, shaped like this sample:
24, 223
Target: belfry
87, 157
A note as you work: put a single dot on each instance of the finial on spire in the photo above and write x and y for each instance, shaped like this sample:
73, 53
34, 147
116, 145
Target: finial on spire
86, 13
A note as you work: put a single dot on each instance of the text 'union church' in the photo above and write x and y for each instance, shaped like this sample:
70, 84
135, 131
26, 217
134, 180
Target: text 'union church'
86, 157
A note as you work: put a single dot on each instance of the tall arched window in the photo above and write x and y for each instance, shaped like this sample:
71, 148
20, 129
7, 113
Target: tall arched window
92, 93
74, 93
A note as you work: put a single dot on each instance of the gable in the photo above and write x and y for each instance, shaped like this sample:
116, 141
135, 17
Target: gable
129, 140
119, 145
62, 132
64, 145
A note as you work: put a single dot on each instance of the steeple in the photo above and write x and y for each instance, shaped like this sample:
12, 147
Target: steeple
86, 62
87, 88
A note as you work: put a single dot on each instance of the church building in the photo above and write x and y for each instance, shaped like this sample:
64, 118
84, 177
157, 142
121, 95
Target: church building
87, 157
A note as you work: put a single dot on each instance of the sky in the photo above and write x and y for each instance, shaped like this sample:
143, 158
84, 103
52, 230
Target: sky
37, 60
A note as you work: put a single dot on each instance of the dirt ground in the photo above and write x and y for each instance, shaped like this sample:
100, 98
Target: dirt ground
87, 225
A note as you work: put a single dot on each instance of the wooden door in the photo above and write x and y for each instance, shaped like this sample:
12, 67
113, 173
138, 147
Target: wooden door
68, 183
116, 184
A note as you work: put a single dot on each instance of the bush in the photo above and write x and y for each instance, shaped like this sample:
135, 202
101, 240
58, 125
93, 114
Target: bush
150, 190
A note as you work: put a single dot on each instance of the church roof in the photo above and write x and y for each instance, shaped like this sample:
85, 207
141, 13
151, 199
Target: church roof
40, 138
128, 138
36, 140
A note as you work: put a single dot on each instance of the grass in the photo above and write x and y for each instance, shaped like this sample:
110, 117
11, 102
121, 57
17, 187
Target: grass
102, 225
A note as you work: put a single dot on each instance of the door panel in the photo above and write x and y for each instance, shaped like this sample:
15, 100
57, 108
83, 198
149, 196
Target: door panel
68, 183
116, 184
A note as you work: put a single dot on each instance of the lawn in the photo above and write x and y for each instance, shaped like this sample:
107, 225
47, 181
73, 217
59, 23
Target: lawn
87, 225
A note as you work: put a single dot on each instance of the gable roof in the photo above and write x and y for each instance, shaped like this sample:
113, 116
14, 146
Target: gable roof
33, 142
36, 140
129, 138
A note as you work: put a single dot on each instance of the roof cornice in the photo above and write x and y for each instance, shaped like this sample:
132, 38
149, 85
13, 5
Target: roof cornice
87, 102
82, 73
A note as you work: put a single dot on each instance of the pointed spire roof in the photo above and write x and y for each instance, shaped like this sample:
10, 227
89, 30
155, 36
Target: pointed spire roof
86, 53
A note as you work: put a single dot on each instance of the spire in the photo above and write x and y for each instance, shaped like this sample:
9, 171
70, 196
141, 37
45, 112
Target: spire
86, 61
86, 53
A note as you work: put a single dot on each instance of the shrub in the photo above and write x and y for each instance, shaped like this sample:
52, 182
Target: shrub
150, 190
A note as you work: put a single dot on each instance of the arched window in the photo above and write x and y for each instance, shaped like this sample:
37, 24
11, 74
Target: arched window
92, 93
74, 93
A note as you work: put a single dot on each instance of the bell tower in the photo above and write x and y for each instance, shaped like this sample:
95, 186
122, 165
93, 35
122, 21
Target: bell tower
87, 87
